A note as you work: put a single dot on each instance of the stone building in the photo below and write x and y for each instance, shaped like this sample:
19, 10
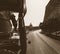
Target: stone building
51, 21
52, 10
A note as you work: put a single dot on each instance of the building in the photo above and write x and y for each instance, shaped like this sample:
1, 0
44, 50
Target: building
52, 8
52, 16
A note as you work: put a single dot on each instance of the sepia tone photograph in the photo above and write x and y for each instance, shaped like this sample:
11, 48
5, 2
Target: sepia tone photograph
29, 27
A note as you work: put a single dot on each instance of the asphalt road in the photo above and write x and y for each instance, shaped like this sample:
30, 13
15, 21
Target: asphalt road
38, 43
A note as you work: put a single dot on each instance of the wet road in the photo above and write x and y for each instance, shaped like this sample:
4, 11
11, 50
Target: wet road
41, 44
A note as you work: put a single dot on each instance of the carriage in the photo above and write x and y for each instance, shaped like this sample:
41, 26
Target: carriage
20, 7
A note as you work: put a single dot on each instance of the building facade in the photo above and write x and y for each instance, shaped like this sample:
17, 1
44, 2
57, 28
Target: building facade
51, 21
52, 10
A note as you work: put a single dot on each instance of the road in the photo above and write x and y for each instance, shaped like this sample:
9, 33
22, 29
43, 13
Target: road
38, 43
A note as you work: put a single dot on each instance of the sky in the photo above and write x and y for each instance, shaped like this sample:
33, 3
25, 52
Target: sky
35, 12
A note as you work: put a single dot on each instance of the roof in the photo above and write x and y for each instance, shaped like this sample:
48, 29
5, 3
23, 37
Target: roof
12, 5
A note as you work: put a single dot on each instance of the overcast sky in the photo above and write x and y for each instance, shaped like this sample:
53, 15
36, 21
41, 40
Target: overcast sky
35, 11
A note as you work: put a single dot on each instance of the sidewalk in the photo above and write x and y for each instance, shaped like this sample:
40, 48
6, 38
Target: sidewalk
52, 35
